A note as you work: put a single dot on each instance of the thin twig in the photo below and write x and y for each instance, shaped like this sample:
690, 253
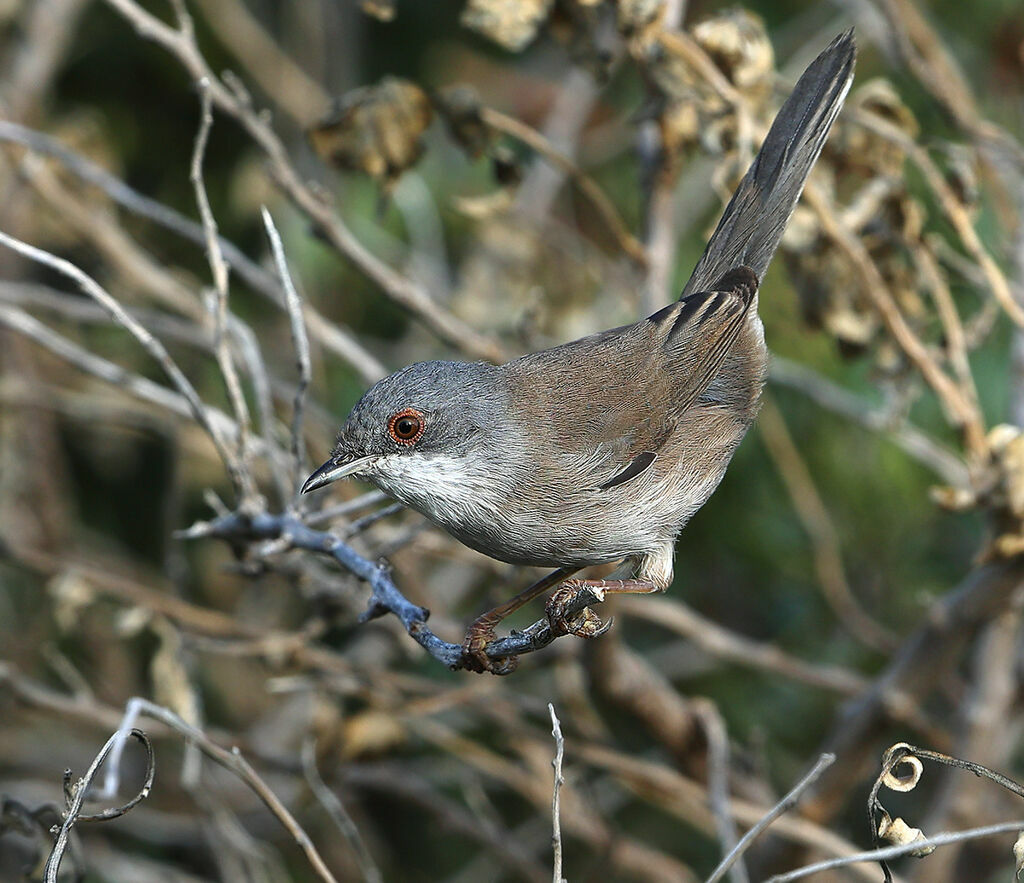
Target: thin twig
963, 413
335, 339
300, 341
556, 813
219, 270
832, 397
136, 385
231, 760
588, 187
153, 346
953, 209
339, 815
783, 806
878, 855
73, 811
718, 785
402, 290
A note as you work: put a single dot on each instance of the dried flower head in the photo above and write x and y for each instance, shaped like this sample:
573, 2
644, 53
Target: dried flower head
511, 24
375, 129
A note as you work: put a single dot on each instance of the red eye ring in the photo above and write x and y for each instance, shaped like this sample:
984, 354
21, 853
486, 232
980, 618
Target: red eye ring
407, 426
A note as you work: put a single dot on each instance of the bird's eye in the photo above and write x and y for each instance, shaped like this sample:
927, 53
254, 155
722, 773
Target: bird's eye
406, 426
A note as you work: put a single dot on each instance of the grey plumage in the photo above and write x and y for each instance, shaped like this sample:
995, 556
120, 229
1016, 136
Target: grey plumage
603, 448
755, 218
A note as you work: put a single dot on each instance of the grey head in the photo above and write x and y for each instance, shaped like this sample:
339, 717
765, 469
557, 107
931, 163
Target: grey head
418, 428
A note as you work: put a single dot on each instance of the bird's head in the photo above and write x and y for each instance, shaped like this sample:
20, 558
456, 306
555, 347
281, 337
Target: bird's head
416, 432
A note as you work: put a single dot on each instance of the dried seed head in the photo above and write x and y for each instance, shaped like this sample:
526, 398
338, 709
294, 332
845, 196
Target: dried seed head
739, 45
511, 24
375, 129
899, 833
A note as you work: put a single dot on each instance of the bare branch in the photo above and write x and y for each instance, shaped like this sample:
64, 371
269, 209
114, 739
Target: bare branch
877, 855
301, 343
399, 288
231, 760
336, 810
556, 814
783, 806
147, 340
79, 792
219, 269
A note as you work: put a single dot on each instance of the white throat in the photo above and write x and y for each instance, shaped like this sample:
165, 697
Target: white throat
442, 487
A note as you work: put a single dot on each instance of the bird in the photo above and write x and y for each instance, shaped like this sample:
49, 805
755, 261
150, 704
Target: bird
600, 450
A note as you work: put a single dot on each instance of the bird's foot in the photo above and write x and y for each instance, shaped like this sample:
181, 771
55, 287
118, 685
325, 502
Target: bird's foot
585, 623
474, 654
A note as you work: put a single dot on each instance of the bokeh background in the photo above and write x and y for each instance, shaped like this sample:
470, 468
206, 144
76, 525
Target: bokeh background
854, 582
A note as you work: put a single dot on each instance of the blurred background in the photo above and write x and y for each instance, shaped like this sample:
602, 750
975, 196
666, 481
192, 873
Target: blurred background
477, 179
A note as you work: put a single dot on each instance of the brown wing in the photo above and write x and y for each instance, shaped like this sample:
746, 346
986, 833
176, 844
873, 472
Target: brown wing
701, 329
602, 407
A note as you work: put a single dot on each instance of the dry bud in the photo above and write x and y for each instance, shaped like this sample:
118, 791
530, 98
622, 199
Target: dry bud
459, 107
738, 43
511, 24
375, 129
899, 833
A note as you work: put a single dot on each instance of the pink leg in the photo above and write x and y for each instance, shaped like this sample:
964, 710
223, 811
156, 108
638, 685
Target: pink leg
482, 629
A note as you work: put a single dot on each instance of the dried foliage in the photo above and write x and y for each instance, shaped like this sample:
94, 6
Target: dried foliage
172, 365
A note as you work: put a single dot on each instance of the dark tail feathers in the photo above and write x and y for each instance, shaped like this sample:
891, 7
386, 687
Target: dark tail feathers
756, 216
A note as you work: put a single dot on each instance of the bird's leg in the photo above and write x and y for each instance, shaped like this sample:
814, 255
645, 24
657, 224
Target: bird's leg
482, 629
586, 623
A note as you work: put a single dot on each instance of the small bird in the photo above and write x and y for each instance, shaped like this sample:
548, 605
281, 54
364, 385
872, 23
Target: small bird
600, 450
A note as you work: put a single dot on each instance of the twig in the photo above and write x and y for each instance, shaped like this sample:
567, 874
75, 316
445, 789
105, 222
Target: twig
79, 792
817, 524
293, 91
556, 815
402, 290
628, 857
219, 269
335, 339
231, 760
903, 754
363, 501
738, 649
339, 815
907, 437
878, 855
137, 203
718, 785
385, 595
952, 208
961, 411
299, 340
367, 521
783, 806
588, 187
138, 386
686, 799
153, 346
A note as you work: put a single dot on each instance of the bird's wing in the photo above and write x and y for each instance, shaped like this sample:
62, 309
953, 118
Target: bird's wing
678, 351
697, 332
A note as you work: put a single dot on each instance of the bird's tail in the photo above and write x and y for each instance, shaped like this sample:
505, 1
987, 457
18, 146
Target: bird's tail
756, 216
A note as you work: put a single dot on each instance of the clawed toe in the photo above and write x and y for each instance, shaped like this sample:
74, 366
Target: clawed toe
474, 654
584, 624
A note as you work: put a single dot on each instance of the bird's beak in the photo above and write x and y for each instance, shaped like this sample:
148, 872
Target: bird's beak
332, 470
